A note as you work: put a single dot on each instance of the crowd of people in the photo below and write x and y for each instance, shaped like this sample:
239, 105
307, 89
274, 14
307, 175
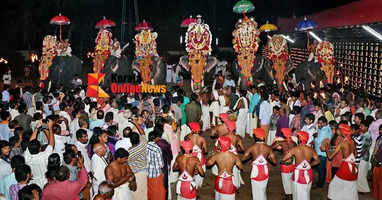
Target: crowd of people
61, 144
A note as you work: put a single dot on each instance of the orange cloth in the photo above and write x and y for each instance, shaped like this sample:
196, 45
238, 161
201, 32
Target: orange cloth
187, 146
287, 132
259, 133
328, 171
224, 143
195, 127
155, 188
377, 183
303, 136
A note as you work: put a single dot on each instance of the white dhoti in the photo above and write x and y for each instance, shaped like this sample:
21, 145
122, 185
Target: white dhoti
362, 183
259, 178
287, 182
205, 117
197, 152
224, 187
286, 177
122, 192
173, 175
186, 187
242, 117
302, 181
271, 136
342, 190
184, 131
344, 184
251, 124
141, 180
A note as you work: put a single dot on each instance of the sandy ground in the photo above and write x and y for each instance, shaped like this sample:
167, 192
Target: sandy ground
274, 191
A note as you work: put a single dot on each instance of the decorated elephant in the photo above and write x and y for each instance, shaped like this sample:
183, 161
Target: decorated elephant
64, 69
309, 73
260, 70
206, 76
157, 70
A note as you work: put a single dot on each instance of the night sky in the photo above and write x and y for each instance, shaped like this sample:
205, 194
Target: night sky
25, 22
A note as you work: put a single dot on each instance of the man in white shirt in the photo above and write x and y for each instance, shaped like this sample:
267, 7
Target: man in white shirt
265, 113
342, 109
98, 164
125, 141
82, 144
37, 159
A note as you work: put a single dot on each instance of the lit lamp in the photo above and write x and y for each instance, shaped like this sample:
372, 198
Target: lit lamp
34, 57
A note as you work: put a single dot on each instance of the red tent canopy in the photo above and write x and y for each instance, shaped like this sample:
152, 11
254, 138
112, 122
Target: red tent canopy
60, 20
105, 23
143, 26
186, 22
359, 12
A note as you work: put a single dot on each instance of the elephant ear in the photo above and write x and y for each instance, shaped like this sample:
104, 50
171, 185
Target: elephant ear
183, 61
289, 66
211, 63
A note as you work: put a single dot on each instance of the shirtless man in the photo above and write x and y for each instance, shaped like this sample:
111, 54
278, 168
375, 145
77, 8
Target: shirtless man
105, 191
259, 152
224, 184
286, 167
227, 129
199, 148
119, 175
187, 164
344, 183
303, 173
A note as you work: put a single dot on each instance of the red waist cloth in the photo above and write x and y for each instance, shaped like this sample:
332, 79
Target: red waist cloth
347, 171
224, 185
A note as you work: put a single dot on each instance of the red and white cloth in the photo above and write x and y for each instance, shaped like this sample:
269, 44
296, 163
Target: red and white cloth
259, 178
224, 187
286, 177
197, 152
344, 184
302, 181
186, 187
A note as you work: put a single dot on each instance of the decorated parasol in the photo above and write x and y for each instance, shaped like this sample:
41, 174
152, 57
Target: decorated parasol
267, 27
60, 20
243, 6
186, 22
143, 26
306, 25
104, 23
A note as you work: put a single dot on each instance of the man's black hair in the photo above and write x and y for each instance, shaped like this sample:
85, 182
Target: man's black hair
134, 138
121, 153
21, 172
34, 146
62, 173
16, 161
80, 133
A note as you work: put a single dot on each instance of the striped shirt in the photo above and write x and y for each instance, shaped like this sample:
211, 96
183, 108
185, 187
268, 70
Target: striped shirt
357, 138
154, 160
137, 157
27, 98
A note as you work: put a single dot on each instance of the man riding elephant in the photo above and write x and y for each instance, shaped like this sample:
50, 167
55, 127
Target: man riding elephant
103, 49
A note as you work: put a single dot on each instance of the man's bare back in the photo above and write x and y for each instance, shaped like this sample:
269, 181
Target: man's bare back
346, 148
285, 147
188, 163
119, 174
199, 141
225, 161
301, 153
258, 149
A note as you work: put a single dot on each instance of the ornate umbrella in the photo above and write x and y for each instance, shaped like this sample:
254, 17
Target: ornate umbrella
243, 6
267, 27
186, 22
143, 26
306, 25
105, 23
60, 20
